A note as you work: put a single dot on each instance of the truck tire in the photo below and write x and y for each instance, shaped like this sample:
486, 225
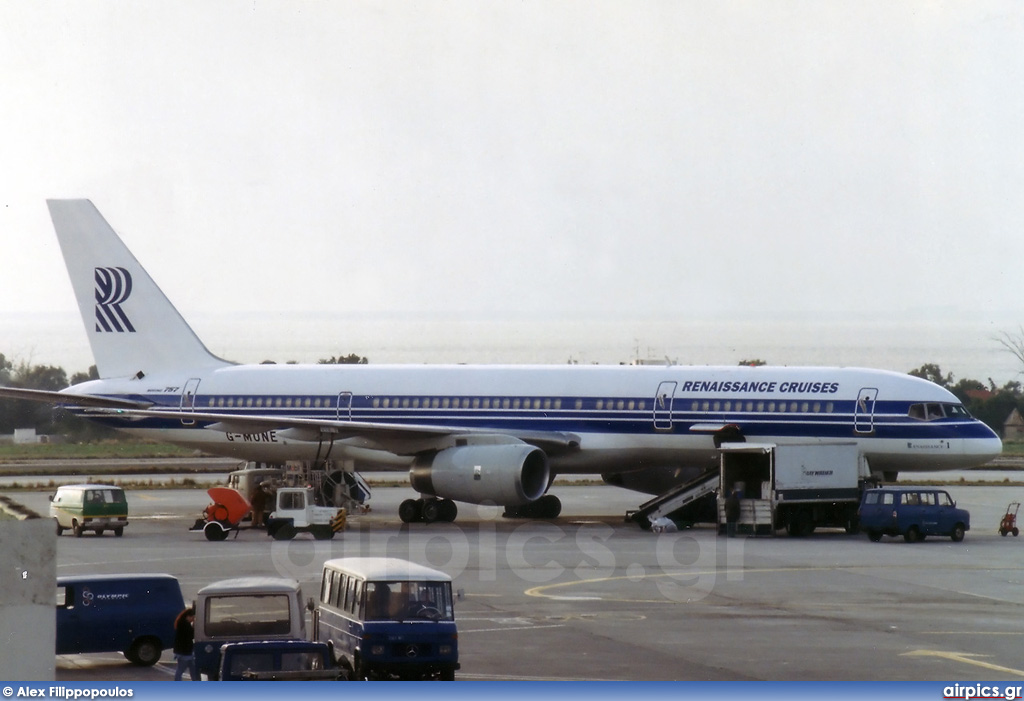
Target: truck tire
958, 533
874, 536
76, 528
913, 535
285, 531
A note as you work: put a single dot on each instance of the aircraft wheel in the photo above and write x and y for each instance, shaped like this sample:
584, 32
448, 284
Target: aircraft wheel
449, 510
549, 506
431, 510
409, 511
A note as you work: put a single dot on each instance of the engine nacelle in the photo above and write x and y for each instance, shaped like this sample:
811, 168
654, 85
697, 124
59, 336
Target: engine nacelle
506, 475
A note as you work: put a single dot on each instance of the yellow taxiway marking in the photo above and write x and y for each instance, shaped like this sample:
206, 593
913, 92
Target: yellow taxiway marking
966, 658
543, 591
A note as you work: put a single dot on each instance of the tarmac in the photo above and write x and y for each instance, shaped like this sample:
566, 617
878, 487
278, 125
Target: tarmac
589, 596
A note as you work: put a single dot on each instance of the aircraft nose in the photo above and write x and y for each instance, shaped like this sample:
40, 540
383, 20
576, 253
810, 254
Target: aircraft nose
983, 448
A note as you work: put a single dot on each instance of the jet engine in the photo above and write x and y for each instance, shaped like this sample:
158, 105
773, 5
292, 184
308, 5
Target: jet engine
507, 475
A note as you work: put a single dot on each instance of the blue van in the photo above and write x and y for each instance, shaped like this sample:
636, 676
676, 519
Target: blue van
129, 613
388, 618
912, 512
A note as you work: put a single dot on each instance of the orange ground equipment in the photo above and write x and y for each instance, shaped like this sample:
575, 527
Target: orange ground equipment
223, 515
1009, 522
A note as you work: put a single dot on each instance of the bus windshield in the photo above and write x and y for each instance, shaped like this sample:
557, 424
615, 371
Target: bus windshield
409, 600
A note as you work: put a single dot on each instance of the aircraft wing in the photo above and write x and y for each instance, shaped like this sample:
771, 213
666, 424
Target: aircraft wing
71, 400
401, 439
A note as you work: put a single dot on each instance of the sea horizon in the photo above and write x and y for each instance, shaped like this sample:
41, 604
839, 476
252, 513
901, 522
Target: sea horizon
967, 349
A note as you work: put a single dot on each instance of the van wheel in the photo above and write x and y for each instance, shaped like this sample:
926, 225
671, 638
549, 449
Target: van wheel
912, 535
958, 533
447, 675
76, 528
874, 536
144, 652
60, 528
119, 531
99, 531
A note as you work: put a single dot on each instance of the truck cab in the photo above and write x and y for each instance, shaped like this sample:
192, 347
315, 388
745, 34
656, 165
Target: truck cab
295, 512
277, 660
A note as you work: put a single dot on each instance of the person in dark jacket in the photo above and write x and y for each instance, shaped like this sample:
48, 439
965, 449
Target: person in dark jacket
732, 513
184, 637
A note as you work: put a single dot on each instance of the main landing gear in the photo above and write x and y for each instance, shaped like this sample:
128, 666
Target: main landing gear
431, 509
548, 506
427, 510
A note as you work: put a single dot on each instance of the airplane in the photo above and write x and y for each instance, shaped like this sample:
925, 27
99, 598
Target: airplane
478, 434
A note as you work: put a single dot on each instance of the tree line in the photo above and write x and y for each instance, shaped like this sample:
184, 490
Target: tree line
986, 401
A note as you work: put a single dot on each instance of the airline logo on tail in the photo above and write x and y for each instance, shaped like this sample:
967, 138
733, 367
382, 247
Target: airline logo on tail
113, 288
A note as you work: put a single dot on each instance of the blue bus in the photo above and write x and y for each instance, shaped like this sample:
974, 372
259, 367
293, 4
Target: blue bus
388, 618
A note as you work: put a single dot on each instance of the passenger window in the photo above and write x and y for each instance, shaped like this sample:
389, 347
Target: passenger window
325, 586
357, 602
887, 498
928, 499
870, 498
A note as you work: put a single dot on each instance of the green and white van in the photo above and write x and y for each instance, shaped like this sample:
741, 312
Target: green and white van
89, 507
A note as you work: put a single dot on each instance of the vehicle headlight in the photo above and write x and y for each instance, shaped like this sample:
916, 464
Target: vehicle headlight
444, 650
377, 650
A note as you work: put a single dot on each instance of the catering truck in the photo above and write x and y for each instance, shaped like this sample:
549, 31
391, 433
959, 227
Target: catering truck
796, 487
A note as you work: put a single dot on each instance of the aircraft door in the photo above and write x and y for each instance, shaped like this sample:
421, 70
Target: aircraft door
188, 398
864, 410
345, 406
663, 406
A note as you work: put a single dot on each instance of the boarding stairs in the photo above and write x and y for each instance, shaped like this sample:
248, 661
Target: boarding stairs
679, 503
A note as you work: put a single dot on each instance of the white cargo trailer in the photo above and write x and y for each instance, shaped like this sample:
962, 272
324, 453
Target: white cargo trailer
796, 487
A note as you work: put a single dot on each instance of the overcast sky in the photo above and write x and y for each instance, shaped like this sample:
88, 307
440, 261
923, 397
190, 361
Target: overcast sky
543, 158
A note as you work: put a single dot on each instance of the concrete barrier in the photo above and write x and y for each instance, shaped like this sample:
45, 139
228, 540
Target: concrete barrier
28, 586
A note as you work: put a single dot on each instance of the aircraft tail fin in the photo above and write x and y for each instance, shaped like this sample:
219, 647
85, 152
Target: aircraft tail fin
132, 327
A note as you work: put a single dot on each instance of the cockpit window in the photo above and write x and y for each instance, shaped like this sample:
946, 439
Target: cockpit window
933, 411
